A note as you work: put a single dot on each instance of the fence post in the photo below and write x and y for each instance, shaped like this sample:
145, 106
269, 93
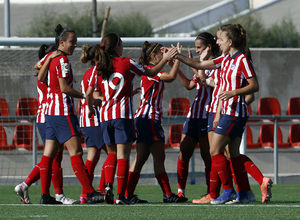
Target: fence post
276, 150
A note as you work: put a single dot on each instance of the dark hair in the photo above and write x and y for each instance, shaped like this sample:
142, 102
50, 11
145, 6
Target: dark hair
89, 53
207, 39
237, 34
106, 53
61, 34
45, 49
147, 50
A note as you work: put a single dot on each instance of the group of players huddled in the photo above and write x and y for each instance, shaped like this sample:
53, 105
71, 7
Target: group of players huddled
225, 80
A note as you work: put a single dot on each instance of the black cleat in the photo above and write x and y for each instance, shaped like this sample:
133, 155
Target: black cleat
47, 200
108, 192
95, 197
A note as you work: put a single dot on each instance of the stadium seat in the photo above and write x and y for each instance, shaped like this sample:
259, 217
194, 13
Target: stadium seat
27, 106
268, 106
179, 106
23, 137
293, 106
3, 141
175, 135
4, 111
250, 113
266, 137
294, 135
250, 144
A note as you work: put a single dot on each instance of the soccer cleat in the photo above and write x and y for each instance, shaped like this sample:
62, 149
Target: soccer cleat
64, 200
180, 194
173, 198
81, 200
108, 192
121, 200
135, 200
242, 198
22, 191
227, 195
47, 200
265, 188
94, 197
206, 199
251, 196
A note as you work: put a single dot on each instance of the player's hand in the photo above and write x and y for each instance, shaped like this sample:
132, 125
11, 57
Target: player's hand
91, 113
226, 95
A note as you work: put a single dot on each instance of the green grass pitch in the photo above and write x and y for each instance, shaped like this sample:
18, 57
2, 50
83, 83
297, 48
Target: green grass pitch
285, 204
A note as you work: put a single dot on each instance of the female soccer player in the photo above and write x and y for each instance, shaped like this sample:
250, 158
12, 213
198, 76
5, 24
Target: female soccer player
150, 134
61, 120
90, 128
195, 127
235, 69
57, 178
115, 75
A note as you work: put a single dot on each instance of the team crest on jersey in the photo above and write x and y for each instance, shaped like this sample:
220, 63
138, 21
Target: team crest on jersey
232, 67
66, 66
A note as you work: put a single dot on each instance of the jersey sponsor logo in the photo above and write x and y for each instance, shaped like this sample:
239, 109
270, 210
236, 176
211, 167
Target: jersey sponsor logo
66, 66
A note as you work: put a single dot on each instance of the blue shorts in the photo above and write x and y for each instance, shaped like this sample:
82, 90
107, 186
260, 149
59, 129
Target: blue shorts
42, 131
195, 127
93, 136
210, 121
118, 131
148, 131
61, 128
231, 126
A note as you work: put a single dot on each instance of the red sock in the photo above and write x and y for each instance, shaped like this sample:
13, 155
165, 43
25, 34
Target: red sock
80, 172
252, 169
215, 184
122, 176
101, 187
182, 173
46, 173
133, 179
239, 174
33, 176
110, 168
163, 181
220, 165
57, 177
90, 168
207, 173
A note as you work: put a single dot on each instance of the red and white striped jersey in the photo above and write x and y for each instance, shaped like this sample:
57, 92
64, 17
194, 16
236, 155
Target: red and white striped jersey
201, 103
42, 101
216, 75
59, 103
152, 89
88, 79
234, 71
117, 90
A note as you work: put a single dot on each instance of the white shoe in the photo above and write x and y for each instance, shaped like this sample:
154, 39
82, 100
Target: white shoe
22, 191
63, 199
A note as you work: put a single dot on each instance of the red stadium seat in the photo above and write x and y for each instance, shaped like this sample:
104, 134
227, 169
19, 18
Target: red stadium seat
268, 106
294, 135
179, 106
23, 137
27, 106
3, 141
250, 113
293, 106
266, 137
250, 144
4, 111
175, 135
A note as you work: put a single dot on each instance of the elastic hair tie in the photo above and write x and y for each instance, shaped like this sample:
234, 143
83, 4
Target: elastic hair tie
102, 45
